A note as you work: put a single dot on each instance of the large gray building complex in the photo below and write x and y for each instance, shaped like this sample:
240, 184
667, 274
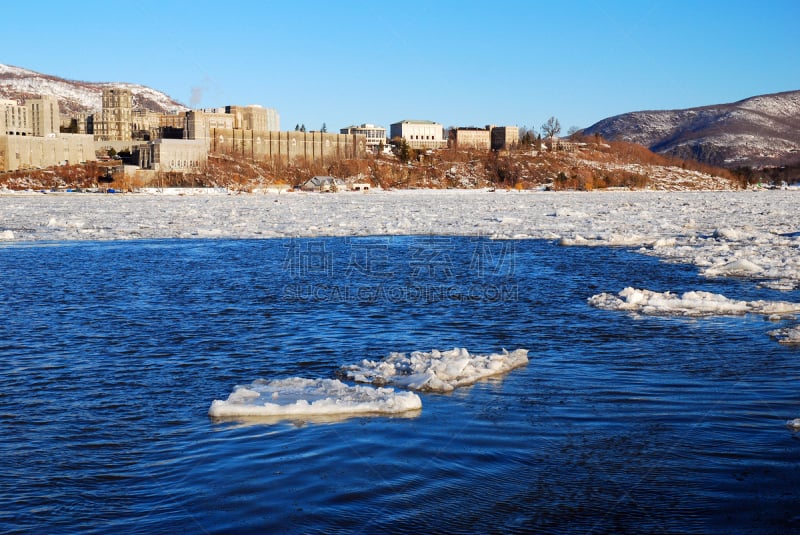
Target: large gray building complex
30, 138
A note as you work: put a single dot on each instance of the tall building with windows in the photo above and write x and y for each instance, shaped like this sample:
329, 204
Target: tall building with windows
14, 119
376, 135
30, 136
419, 134
44, 116
116, 116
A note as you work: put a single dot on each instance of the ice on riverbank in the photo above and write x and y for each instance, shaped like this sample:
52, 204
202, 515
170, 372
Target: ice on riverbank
695, 303
297, 397
755, 235
437, 371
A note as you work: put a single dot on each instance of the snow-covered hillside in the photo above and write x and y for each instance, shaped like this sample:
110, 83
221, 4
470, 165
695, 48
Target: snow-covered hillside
75, 96
758, 131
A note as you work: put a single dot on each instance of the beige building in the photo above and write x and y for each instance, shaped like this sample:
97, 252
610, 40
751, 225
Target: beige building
472, 138
492, 137
288, 147
254, 117
30, 152
115, 119
419, 134
201, 123
14, 118
376, 135
45, 118
504, 137
174, 155
145, 124
30, 138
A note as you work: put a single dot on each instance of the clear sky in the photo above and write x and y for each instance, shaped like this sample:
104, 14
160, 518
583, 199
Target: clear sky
457, 62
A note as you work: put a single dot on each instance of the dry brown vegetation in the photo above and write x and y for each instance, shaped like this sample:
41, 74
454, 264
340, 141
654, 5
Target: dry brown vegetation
591, 164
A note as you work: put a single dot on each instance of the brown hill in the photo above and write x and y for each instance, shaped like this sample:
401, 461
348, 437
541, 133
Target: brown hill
758, 132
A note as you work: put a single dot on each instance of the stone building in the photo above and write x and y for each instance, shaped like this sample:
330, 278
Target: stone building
287, 147
31, 152
14, 119
200, 123
45, 118
491, 137
419, 134
173, 155
254, 117
375, 135
30, 138
472, 138
504, 137
114, 123
145, 125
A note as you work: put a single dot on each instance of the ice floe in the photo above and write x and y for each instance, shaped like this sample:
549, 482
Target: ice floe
436, 371
694, 303
787, 335
298, 397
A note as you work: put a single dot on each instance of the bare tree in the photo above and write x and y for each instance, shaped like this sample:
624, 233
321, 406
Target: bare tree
551, 128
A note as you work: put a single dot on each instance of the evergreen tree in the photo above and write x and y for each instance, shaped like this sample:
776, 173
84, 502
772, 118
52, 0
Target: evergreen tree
324, 128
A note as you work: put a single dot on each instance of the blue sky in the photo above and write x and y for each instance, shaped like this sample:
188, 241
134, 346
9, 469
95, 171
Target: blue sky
460, 63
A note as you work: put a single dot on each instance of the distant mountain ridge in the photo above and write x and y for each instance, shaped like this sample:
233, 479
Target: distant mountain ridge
74, 96
757, 131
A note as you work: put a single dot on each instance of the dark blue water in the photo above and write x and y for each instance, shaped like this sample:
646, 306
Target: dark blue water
112, 352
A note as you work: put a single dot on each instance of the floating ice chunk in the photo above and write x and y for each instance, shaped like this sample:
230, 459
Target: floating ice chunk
694, 303
741, 268
729, 234
568, 212
664, 242
789, 335
437, 371
794, 425
6, 235
310, 397
617, 240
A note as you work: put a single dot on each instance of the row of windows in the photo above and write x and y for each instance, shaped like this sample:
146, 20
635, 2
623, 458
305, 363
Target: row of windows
184, 163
